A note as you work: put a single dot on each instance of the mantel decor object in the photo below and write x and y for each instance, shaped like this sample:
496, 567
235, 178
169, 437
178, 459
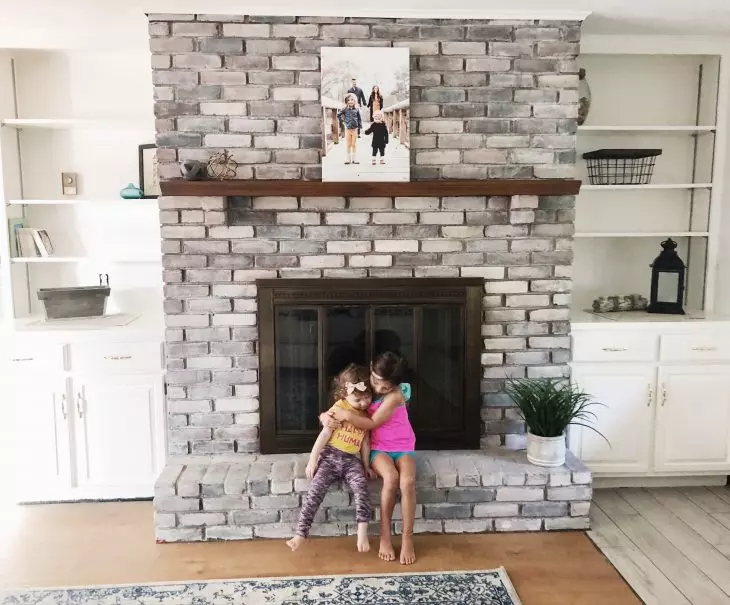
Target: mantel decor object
584, 97
149, 180
193, 170
222, 166
131, 192
621, 166
667, 281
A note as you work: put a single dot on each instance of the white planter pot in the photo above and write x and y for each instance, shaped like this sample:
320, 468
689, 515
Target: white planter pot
546, 451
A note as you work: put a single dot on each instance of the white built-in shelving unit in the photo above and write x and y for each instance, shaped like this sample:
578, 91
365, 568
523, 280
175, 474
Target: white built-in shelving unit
65, 111
671, 97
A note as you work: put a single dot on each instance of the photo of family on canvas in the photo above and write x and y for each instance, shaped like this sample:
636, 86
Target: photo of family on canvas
366, 112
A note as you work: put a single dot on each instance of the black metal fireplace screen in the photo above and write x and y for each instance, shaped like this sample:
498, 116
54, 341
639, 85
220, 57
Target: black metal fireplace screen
311, 329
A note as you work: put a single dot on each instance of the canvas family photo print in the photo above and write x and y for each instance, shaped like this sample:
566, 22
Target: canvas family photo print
366, 108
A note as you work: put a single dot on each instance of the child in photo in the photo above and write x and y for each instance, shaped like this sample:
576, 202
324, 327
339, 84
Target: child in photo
393, 448
380, 136
341, 454
349, 116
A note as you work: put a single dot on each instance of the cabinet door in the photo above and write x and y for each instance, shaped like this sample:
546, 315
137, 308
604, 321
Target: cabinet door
625, 418
37, 437
693, 419
118, 441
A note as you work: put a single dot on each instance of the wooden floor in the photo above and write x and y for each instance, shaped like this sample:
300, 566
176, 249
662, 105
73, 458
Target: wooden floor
87, 544
671, 545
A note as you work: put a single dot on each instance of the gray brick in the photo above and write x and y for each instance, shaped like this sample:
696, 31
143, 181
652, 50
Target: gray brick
471, 495
545, 509
441, 126
447, 511
201, 519
441, 63
345, 31
520, 494
493, 31
250, 125
275, 502
419, 47
178, 534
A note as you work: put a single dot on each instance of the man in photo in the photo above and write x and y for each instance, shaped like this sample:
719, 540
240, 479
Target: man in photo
359, 97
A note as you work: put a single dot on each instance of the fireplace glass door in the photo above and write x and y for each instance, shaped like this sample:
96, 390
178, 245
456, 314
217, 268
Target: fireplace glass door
305, 344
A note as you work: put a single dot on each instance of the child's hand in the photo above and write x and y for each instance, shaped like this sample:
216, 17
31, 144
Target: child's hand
329, 421
311, 469
371, 474
340, 415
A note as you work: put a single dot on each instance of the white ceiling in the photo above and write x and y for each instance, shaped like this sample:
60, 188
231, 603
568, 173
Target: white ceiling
54, 23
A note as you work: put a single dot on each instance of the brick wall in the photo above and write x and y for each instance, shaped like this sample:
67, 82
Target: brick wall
489, 99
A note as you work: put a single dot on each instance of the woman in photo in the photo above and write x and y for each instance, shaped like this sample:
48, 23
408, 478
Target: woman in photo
375, 103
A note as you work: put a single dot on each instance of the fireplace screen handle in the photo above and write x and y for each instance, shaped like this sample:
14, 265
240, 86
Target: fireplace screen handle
79, 405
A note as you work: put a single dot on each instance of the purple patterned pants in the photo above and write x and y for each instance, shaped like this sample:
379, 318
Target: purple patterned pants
335, 465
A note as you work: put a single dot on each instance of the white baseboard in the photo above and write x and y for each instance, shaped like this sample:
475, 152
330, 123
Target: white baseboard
690, 481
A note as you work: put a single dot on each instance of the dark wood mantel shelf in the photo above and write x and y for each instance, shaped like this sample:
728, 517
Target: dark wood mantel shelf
441, 188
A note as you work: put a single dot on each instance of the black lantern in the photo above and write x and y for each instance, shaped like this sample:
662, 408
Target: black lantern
667, 281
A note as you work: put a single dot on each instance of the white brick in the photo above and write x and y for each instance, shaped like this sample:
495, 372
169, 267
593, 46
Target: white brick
348, 247
371, 260
517, 524
396, 245
520, 494
496, 509
484, 272
346, 218
234, 319
237, 232
330, 261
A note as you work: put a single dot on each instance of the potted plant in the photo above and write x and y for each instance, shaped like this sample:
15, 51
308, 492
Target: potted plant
548, 406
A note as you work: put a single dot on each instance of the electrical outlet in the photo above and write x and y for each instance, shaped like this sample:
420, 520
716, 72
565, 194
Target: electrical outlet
69, 183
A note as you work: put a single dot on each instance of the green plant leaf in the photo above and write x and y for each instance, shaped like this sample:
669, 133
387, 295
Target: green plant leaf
549, 405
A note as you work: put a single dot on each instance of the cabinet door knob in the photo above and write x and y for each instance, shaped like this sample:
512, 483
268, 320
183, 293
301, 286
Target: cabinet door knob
21, 359
63, 406
79, 406
705, 348
664, 394
117, 357
614, 349
651, 395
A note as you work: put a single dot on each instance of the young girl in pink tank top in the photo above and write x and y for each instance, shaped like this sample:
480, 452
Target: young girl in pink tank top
393, 445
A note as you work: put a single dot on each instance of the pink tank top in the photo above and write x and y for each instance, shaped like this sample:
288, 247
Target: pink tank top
396, 435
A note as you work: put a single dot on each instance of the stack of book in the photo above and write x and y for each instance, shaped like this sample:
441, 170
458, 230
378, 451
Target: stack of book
33, 242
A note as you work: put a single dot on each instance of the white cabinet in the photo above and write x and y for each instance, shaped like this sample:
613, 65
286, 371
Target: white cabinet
38, 444
668, 414
117, 431
82, 429
693, 419
625, 418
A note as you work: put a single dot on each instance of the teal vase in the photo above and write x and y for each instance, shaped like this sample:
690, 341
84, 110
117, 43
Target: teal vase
130, 192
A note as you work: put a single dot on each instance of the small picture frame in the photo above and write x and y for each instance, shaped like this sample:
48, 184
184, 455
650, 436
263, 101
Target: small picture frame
149, 181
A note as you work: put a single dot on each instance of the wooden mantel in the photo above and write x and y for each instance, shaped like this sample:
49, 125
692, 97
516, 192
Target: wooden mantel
440, 188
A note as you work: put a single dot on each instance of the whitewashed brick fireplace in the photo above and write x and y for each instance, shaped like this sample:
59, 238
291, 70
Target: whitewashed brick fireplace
489, 100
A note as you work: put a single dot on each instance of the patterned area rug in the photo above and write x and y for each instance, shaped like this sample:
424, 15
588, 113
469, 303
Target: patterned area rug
491, 587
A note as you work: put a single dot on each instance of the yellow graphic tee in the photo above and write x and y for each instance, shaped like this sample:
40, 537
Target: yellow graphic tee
348, 438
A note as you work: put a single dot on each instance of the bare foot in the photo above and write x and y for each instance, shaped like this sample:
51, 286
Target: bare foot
295, 542
407, 553
363, 544
386, 552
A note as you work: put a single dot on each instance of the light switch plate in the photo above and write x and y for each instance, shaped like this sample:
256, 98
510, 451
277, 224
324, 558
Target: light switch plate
69, 183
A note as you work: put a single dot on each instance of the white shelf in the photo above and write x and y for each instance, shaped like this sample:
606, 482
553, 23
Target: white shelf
79, 259
659, 129
75, 202
650, 186
140, 122
586, 234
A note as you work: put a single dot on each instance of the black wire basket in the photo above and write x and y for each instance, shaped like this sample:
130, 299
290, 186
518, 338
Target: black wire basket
621, 166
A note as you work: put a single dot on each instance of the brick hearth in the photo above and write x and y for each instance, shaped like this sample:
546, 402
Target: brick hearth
457, 492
